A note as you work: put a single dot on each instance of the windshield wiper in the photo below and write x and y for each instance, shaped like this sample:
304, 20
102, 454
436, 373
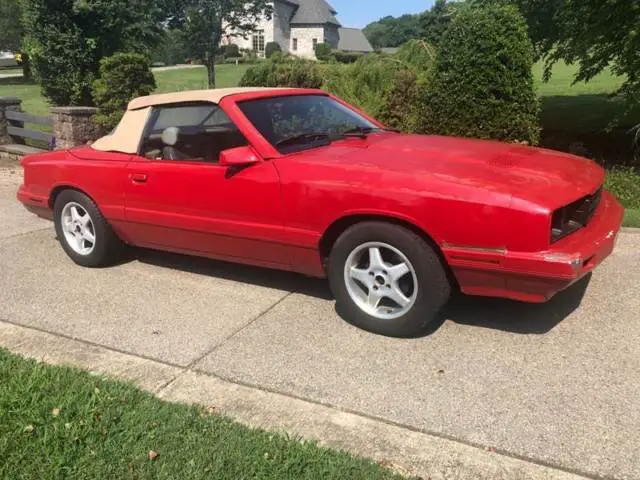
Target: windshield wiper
305, 137
360, 132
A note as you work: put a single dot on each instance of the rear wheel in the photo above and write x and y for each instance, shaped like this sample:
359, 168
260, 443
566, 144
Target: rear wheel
84, 234
387, 280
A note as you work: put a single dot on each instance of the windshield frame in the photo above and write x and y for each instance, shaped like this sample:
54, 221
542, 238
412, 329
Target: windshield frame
376, 126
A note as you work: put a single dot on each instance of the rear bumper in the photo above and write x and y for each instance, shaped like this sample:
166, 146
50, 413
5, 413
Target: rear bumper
35, 203
538, 276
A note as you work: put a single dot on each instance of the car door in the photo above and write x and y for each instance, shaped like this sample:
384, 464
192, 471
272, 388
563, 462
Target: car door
179, 197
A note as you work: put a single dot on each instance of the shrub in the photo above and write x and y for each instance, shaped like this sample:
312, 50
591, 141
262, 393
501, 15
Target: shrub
283, 71
235, 60
231, 51
324, 52
387, 88
346, 57
624, 183
65, 41
483, 84
123, 77
271, 48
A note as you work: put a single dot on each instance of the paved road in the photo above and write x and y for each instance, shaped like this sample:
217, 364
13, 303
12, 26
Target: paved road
556, 383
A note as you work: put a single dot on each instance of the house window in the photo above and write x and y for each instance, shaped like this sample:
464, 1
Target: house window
315, 44
295, 44
258, 41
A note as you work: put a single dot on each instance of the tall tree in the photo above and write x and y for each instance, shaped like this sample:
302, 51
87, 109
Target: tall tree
393, 32
206, 22
595, 34
66, 39
12, 33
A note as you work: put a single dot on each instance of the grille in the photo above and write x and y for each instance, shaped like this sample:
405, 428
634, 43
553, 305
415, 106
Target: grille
574, 216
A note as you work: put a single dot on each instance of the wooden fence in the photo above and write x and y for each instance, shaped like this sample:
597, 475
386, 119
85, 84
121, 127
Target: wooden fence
17, 131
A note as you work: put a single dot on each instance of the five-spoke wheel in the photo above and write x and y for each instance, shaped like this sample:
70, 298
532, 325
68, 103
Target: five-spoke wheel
381, 280
83, 232
78, 228
387, 279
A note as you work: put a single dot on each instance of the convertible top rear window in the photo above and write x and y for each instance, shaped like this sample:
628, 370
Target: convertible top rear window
308, 119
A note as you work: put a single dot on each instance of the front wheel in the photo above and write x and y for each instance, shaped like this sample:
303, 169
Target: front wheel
387, 280
85, 235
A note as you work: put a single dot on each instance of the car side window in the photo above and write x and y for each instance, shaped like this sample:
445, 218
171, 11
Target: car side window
194, 132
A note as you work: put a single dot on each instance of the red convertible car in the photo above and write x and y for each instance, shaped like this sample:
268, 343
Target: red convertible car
299, 180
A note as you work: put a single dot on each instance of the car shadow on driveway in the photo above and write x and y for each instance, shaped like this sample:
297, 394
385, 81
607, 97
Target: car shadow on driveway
493, 313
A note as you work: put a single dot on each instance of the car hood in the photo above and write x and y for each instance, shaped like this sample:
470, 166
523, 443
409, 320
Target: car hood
548, 178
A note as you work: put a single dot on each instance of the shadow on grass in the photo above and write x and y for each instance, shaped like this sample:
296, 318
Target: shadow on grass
497, 314
594, 126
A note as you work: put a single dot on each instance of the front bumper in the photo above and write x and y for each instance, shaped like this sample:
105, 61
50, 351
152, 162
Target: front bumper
538, 276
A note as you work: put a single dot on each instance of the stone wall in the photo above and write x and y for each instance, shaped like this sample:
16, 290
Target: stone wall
73, 126
305, 34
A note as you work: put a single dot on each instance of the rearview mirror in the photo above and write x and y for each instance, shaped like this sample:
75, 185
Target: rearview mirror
238, 157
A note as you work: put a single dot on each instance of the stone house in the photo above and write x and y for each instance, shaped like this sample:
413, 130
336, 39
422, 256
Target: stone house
298, 26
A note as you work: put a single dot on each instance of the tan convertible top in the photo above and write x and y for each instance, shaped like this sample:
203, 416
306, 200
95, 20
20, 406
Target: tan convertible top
126, 137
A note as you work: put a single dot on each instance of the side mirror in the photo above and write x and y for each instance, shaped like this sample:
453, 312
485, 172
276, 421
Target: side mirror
238, 157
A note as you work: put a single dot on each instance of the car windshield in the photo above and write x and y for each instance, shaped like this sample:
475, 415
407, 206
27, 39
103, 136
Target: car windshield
299, 122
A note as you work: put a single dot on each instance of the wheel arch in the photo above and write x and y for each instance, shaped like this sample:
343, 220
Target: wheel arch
58, 189
338, 227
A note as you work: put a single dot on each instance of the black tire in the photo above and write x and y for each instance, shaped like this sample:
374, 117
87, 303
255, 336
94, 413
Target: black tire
434, 288
108, 247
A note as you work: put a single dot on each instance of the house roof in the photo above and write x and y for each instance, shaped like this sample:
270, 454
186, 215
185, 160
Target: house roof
353, 40
314, 11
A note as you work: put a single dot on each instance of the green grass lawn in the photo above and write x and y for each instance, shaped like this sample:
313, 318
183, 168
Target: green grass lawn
58, 422
632, 218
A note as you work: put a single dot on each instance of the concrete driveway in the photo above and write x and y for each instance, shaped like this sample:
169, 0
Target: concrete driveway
556, 384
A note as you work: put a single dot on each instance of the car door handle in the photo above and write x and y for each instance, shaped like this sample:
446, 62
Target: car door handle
138, 178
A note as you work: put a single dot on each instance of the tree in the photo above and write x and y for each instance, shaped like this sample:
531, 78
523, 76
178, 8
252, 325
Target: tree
483, 85
123, 77
205, 22
324, 52
12, 33
66, 39
592, 33
434, 22
393, 32
271, 48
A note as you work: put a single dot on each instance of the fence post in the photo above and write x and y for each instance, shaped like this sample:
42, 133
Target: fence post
7, 103
73, 126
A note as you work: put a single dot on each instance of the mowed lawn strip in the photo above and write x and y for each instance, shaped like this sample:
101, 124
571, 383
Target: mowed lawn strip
59, 422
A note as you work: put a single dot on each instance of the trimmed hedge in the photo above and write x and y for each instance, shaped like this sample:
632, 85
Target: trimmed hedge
283, 71
624, 183
271, 48
324, 52
483, 85
123, 77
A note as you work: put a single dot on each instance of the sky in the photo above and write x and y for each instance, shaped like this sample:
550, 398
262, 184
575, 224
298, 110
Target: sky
358, 13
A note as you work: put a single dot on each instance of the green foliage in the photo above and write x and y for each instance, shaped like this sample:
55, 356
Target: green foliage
418, 54
172, 49
11, 31
231, 51
595, 34
66, 40
71, 424
434, 22
271, 48
123, 77
206, 21
393, 32
324, 52
624, 183
346, 57
391, 89
483, 85
283, 71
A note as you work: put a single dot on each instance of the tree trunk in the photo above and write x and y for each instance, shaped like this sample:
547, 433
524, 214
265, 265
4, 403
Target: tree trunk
26, 68
211, 70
